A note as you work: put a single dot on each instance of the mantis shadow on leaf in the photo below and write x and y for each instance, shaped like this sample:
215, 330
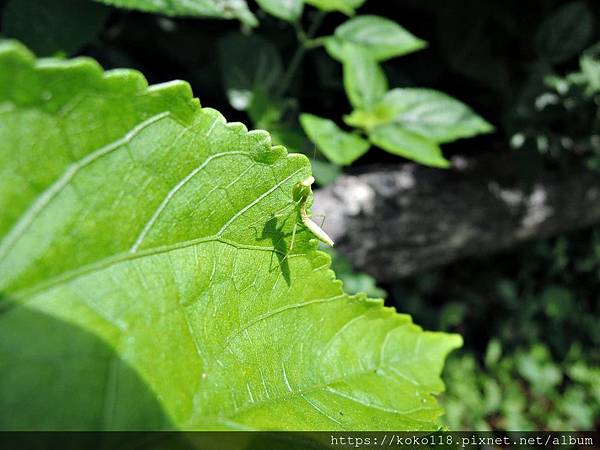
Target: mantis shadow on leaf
277, 237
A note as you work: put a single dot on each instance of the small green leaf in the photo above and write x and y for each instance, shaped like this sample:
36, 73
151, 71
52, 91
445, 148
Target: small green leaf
337, 145
219, 9
564, 33
250, 66
432, 114
346, 6
399, 141
354, 282
380, 37
364, 80
145, 280
289, 10
326, 173
53, 26
538, 368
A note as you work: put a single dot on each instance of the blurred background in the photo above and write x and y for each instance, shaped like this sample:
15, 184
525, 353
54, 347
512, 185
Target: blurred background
526, 302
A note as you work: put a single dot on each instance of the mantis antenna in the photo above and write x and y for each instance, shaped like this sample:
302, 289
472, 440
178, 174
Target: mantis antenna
302, 190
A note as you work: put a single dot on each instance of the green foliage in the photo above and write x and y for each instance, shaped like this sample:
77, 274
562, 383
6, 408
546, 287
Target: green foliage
254, 80
538, 312
557, 116
53, 26
411, 122
219, 9
146, 281
524, 390
407, 122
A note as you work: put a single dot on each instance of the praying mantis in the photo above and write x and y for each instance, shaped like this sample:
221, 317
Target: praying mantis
300, 194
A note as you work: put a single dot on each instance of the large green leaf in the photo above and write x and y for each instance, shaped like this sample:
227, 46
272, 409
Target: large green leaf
345, 6
431, 114
289, 10
146, 276
381, 38
221, 9
337, 145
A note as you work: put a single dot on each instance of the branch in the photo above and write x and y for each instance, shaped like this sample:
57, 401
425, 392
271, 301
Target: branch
396, 221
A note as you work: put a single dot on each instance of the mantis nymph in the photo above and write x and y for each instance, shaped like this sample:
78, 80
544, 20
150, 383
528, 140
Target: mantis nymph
301, 192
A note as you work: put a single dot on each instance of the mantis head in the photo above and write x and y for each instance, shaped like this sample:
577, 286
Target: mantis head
301, 190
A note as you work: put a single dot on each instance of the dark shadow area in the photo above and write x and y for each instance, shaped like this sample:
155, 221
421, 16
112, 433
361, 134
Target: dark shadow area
56, 376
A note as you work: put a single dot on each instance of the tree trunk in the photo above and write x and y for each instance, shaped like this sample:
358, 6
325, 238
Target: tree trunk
396, 221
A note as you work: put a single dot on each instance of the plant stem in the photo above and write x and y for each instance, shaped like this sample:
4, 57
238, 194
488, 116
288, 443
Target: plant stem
305, 42
314, 43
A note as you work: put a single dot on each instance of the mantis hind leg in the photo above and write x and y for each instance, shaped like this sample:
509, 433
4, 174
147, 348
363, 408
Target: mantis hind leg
289, 250
293, 237
323, 217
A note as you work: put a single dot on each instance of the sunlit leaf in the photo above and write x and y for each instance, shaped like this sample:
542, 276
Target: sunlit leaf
432, 114
381, 38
